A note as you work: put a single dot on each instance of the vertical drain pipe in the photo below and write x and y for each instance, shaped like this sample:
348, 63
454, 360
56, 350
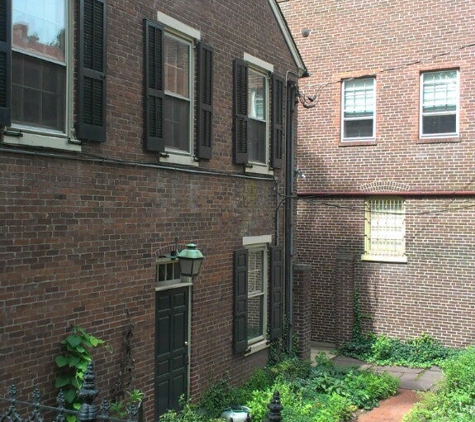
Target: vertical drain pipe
288, 213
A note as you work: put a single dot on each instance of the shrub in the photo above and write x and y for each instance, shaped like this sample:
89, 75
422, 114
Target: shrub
420, 352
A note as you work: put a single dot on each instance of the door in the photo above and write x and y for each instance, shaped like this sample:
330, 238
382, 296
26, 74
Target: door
171, 348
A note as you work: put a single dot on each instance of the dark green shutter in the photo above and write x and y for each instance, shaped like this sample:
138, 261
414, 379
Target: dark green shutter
240, 112
154, 86
204, 126
277, 140
92, 71
276, 293
240, 301
5, 62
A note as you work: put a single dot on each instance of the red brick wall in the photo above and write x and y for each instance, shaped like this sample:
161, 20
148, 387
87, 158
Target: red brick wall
395, 41
78, 234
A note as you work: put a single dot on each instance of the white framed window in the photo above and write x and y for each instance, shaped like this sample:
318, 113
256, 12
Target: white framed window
179, 56
178, 113
42, 74
257, 293
439, 103
385, 231
358, 109
258, 113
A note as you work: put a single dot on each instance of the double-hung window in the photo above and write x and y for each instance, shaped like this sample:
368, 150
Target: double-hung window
36, 66
385, 230
257, 284
178, 69
258, 115
439, 103
358, 110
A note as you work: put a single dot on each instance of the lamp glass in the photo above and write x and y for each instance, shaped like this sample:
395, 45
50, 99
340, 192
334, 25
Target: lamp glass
190, 260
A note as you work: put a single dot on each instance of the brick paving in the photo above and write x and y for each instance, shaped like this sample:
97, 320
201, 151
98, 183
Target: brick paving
392, 409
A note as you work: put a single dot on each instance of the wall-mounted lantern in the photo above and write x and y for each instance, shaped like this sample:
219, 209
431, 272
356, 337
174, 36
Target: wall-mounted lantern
190, 260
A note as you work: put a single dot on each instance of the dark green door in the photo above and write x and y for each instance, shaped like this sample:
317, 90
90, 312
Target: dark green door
171, 348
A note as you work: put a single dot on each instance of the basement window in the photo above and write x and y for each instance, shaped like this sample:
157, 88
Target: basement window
385, 231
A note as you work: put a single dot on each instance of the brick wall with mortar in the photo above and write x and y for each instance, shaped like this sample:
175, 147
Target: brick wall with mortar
396, 41
302, 324
79, 235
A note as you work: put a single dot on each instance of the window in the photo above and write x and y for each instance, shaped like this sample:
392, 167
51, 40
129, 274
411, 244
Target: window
258, 116
178, 93
37, 64
258, 128
255, 288
385, 230
168, 271
171, 59
439, 103
358, 111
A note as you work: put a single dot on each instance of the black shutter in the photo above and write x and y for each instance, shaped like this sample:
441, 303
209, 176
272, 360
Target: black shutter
92, 71
154, 86
240, 301
240, 112
276, 293
5, 62
204, 129
277, 141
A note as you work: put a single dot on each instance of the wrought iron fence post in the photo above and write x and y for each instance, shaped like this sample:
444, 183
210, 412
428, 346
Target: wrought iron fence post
88, 392
275, 409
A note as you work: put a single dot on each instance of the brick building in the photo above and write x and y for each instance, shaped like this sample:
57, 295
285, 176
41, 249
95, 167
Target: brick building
386, 142
129, 129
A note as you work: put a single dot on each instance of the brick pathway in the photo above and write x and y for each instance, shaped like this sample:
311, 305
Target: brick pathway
392, 409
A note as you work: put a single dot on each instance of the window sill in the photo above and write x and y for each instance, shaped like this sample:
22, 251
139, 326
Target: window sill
357, 142
382, 258
440, 140
182, 159
256, 347
27, 139
259, 169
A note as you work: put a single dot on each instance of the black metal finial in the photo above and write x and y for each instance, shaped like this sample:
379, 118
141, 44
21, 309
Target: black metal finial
87, 393
275, 408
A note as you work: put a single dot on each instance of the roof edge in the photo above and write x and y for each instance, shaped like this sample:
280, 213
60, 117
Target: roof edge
289, 39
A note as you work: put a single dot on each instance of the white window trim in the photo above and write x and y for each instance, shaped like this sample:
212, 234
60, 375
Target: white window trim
36, 137
456, 112
374, 256
186, 33
263, 67
343, 119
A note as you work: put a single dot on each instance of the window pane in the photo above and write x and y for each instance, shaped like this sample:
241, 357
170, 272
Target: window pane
255, 272
359, 98
255, 324
439, 124
177, 66
177, 123
440, 91
358, 128
257, 95
39, 27
39, 92
256, 142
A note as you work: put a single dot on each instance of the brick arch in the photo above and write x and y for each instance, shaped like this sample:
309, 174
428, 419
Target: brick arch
384, 186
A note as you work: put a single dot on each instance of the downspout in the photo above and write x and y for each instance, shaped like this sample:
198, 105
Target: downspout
288, 211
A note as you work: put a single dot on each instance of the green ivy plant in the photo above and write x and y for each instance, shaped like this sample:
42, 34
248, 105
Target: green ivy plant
73, 362
121, 408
